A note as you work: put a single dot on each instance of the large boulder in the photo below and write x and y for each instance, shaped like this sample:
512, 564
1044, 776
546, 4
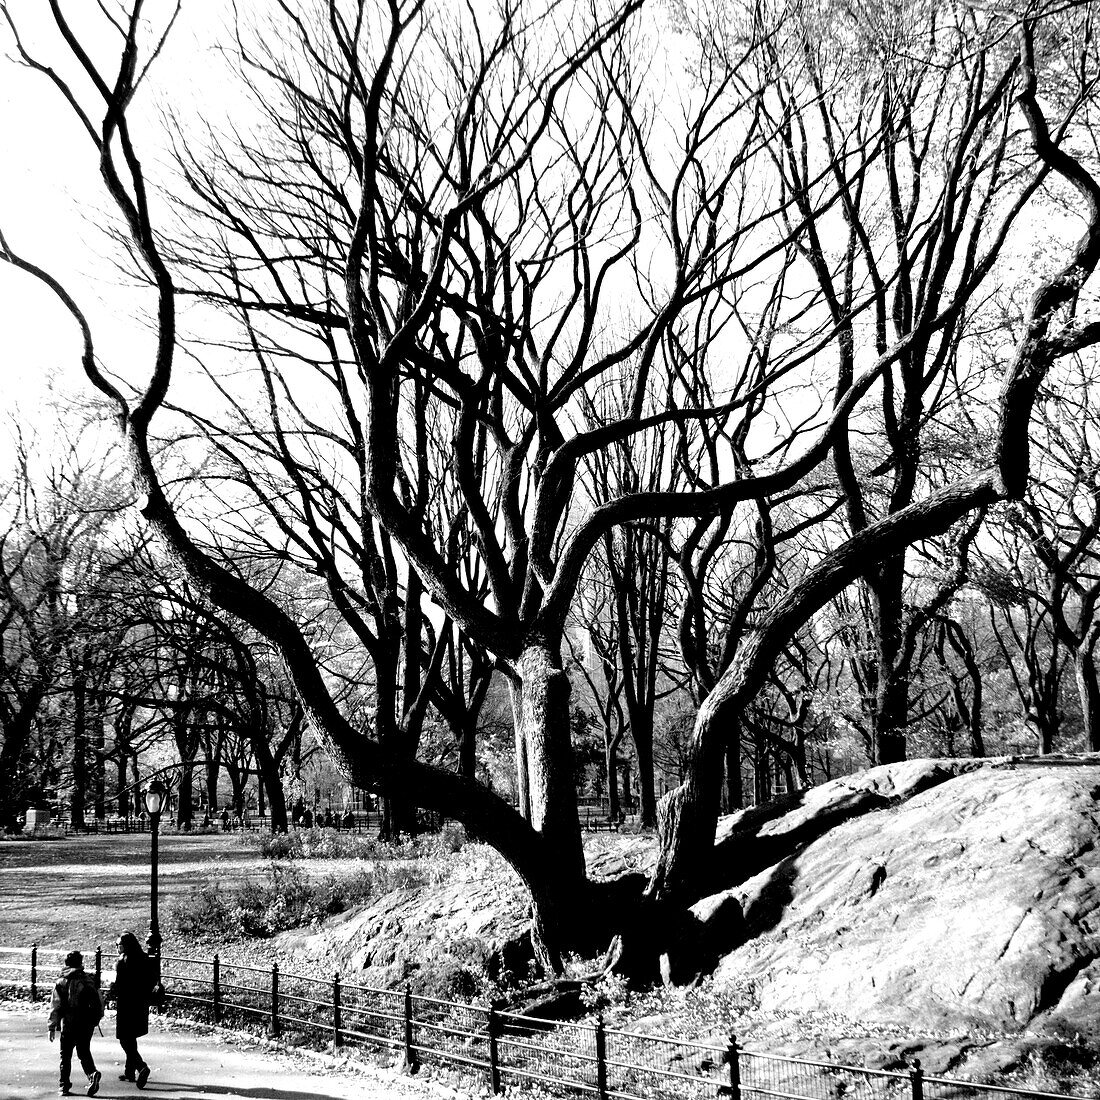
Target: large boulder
936, 896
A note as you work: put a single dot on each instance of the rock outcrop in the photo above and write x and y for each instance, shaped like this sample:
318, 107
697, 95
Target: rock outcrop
427, 936
948, 909
944, 899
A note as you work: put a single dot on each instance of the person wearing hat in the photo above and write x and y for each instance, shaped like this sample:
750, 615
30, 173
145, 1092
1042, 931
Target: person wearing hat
75, 1009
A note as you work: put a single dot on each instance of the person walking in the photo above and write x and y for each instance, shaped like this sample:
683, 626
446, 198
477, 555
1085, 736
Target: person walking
131, 991
75, 1009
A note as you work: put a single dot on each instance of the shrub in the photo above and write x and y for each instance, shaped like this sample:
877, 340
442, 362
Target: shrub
205, 914
317, 843
447, 980
449, 840
456, 972
608, 992
280, 845
285, 898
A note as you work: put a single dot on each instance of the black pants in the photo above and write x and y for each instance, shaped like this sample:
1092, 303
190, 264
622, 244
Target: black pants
134, 1061
78, 1039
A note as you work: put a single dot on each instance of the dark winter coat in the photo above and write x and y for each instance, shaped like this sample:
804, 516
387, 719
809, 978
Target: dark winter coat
131, 990
66, 1011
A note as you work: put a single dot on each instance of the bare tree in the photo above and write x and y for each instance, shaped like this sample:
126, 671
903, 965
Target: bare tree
1059, 520
458, 209
1049, 331
55, 547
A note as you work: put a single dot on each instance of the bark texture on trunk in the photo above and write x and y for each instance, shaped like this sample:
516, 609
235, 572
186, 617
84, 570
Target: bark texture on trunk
79, 758
543, 727
1088, 690
647, 792
270, 781
891, 701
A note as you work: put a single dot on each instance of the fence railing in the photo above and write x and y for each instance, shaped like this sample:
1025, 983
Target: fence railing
507, 1048
362, 821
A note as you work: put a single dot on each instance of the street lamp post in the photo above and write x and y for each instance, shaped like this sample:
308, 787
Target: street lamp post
154, 803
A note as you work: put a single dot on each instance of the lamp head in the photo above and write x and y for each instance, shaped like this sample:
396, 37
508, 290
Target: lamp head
154, 798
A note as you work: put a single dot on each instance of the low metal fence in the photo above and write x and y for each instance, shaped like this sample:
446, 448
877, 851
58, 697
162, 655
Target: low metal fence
29, 973
507, 1048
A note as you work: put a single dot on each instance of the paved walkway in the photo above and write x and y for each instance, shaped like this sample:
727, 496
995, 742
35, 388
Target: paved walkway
189, 1066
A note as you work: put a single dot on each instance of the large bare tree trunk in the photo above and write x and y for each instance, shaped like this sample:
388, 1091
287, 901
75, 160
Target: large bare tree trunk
211, 768
79, 759
1088, 690
690, 812
270, 781
611, 762
541, 706
891, 701
642, 736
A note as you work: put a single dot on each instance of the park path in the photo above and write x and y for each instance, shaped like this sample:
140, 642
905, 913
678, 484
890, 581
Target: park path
188, 1066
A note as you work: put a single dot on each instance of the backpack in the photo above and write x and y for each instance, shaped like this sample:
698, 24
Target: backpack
84, 1001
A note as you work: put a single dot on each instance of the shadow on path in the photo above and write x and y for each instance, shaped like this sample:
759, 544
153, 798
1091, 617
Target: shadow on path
180, 1091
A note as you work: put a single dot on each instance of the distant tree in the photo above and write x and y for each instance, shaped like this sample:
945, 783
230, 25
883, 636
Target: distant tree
1059, 570
595, 662
56, 508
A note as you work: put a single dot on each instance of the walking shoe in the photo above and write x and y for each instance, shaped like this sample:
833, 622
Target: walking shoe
126, 1077
142, 1077
65, 1090
93, 1082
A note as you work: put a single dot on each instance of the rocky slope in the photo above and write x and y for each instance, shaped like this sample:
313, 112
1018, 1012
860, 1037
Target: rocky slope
946, 908
432, 937
951, 903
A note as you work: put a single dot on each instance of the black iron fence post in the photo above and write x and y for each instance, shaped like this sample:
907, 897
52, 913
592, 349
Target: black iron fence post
411, 1063
216, 989
34, 971
601, 1058
336, 1038
494, 1051
98, 967
733, 1060
274, 998
916, 1080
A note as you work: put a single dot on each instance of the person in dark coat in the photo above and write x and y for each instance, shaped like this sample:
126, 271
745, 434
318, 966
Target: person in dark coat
75, 1009
131, 991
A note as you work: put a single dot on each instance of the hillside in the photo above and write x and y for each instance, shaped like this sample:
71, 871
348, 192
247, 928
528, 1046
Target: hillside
964, 907
944, 908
